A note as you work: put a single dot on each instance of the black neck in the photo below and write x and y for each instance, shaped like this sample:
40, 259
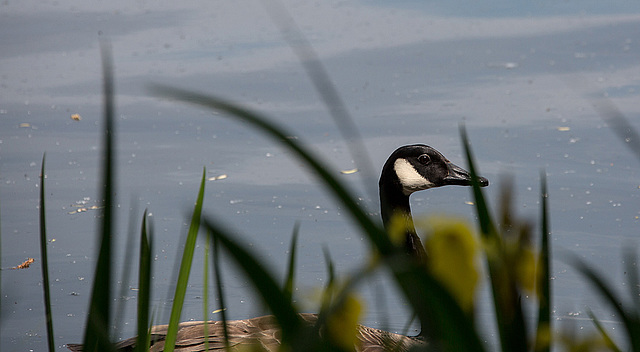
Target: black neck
393, 201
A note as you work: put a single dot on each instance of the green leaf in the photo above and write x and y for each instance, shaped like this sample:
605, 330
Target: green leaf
506, 298
144, 287
45, 263
219, 291
630, 322
376, 234
263, 281
607, 339
544, 275
290, 276
97, 330
185, 269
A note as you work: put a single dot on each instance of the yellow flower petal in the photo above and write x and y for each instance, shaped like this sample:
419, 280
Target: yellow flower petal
342, 324
452, 257
526, 269
399, 224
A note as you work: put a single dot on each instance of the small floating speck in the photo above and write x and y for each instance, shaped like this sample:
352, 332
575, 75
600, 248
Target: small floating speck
24, 125
564, 128
469, 203
507, 65
349, 172
76, 117
219, 177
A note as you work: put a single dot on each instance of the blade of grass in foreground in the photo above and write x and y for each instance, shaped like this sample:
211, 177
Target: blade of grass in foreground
506, 299
607, 339
205, 291
289, 278
263, 281
144, 287
630, 320
185, 269
133, 234
376, 234
325, 88
45, 262
631, 268
543, 343
97, 330
219, 291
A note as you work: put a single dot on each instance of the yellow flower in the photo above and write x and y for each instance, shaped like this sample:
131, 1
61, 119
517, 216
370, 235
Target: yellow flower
399, 224
452, 257
342, 324
525, 269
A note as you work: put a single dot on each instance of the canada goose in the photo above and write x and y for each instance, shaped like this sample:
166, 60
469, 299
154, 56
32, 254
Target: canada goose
409, 169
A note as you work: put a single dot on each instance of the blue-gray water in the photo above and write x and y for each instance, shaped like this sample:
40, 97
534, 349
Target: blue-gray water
515, 73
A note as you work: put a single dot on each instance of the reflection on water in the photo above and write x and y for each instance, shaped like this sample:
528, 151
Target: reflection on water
407, 76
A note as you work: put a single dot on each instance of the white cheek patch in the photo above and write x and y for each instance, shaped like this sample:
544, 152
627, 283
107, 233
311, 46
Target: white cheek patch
410, 179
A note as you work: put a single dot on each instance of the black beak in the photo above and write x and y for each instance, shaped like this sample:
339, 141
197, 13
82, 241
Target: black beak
461, 177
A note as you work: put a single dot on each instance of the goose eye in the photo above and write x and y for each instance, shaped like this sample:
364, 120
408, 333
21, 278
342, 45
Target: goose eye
424, 159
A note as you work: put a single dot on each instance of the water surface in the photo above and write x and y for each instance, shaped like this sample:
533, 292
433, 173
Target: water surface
408, 73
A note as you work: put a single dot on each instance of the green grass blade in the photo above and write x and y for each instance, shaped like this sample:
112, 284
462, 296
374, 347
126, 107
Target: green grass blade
263, 281
449, 328
630, 260
144, 287
205, 291
97, 330
487, 226
607, 339
219, 291
631, 325
185, 269
610, 113
327, 292
506, 299
544, 277
129, 257
326, 90
45, 262
377, 236
291, 268
330, 270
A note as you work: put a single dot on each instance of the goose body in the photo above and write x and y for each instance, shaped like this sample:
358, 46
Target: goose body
409, 169
260, 332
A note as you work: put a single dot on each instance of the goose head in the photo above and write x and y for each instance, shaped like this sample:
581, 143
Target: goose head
418, 167
413, 168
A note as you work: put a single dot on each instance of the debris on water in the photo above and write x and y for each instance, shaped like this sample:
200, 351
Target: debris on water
349, 172
219, 177
82, 207
24, 264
